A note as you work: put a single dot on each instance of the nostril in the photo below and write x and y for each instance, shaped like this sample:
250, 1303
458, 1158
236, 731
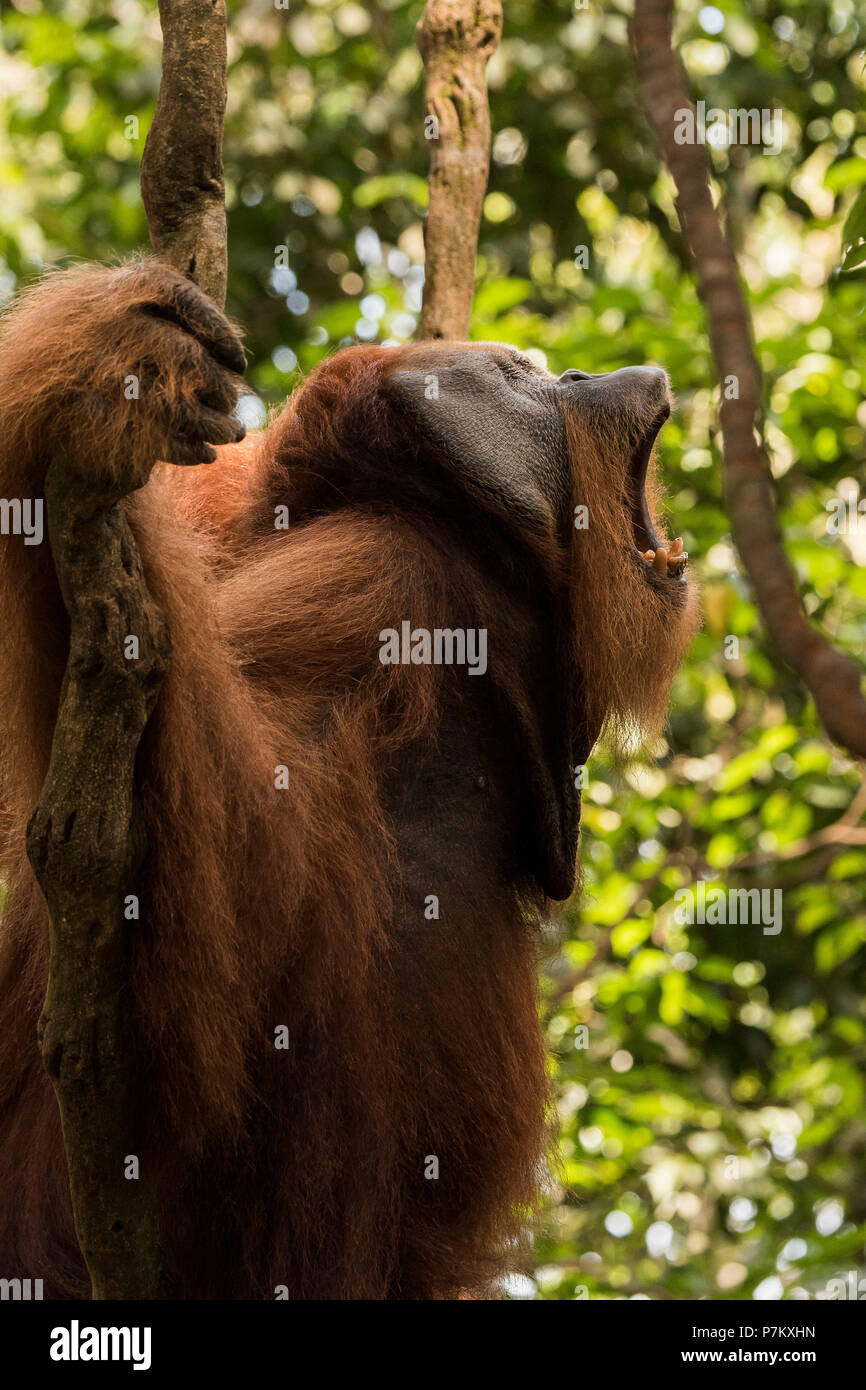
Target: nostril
573, 374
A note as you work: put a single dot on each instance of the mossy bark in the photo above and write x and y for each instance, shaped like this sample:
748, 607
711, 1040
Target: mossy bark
86, 848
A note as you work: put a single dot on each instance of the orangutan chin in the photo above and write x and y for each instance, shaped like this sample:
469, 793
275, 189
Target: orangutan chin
352, 849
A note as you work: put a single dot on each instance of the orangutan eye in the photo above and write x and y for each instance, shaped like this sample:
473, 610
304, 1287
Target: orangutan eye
515, 369
526, 366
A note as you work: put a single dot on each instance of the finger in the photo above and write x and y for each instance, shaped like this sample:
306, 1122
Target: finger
216, 389
198, 422
201, 317
169, 296
186, 452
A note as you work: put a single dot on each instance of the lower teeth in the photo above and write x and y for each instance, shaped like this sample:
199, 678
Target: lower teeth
665, 563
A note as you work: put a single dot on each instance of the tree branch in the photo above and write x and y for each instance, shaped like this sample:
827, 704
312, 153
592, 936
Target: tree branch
85, 852
181, 169
456, 39
832, 679
83, 840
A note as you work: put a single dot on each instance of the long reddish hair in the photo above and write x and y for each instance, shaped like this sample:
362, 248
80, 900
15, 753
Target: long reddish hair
273, 780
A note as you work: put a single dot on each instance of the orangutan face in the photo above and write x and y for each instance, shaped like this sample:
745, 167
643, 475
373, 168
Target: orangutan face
506, 425
569, 460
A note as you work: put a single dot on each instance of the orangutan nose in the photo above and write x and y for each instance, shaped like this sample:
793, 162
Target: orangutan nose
651, 382
643, 378
643, 388
652, 377
573, 374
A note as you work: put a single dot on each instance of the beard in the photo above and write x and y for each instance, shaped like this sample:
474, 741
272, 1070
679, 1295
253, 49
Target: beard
631, 626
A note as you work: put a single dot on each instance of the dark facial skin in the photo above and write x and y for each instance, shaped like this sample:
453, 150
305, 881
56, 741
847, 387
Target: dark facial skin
499, 419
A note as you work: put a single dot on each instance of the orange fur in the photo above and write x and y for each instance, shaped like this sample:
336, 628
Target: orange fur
264, 907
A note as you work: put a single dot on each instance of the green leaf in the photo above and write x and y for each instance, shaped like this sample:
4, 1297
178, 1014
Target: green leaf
855, 222
855, 256
629, 934
845, 174
838, 944
398, 185
498, 296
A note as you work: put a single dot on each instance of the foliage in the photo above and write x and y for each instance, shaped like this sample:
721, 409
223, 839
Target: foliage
709, 1077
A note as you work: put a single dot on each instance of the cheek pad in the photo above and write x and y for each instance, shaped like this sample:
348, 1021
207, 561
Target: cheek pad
504, 444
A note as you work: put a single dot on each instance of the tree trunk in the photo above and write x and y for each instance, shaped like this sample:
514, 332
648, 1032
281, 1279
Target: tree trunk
831, 678
85, 853
456, 39
182, 169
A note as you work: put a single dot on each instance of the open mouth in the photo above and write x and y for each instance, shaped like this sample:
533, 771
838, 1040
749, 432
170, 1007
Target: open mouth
667, 563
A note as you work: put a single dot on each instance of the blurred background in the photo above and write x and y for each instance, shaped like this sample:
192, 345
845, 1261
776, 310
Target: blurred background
710, 1078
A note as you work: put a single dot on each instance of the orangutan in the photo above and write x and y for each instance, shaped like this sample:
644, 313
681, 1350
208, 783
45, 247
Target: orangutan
332, 984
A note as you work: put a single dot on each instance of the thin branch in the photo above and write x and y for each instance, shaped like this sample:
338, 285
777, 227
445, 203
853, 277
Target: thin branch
85, 853
456, 39
181, 169
832, 679
838, 836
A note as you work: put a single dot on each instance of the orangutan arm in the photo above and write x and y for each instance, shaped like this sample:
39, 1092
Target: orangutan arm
114, 370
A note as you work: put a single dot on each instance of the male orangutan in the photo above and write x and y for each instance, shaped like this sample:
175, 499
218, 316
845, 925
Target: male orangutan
352, 847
